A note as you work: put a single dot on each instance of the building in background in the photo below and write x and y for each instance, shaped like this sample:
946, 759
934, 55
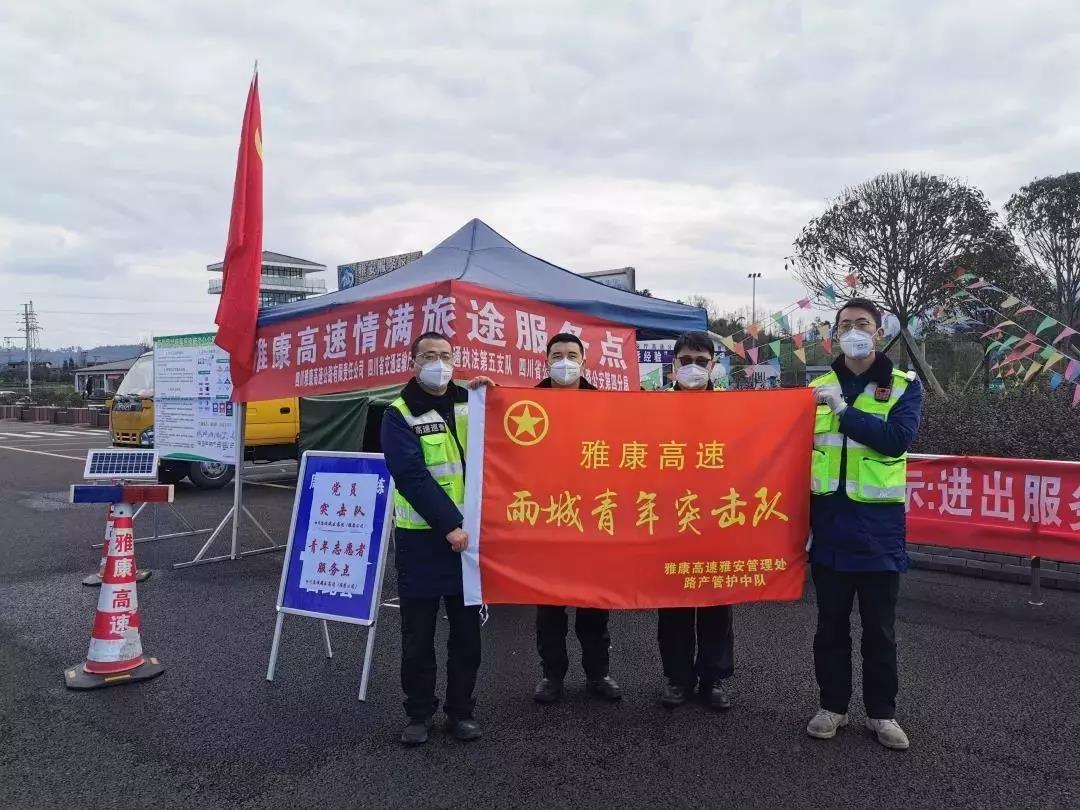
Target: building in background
284, 279
355, 273
622, 278
100, 381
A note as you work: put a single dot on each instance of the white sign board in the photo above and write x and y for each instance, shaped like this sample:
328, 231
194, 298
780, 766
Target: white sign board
194, 418
624, 278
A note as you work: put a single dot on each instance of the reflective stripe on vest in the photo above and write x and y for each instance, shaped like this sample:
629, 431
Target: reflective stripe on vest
442, 457
871, 476
405, 514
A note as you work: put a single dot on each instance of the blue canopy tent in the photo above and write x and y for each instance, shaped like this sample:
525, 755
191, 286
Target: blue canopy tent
477, 254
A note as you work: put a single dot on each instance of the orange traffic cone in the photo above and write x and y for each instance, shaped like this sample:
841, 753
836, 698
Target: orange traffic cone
141, 575
95, 579
115, 655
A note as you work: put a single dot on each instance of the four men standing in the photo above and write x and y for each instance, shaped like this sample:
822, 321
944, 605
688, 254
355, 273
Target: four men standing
867, 418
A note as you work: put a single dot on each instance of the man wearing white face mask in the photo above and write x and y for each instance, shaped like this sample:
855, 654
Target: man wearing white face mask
697, 645
566, 363
867, 417
424, 439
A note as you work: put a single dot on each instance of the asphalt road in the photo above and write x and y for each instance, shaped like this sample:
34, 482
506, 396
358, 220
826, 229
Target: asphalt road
989, 690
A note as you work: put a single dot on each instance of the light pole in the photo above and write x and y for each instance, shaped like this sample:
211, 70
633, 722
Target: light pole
753, 295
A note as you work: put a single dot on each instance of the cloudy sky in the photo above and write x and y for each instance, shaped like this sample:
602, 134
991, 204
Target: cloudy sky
691, 140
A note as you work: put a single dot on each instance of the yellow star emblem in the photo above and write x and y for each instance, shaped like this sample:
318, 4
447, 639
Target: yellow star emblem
525, 422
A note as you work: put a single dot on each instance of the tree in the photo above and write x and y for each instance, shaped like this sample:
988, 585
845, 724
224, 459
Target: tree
901, 234
1001, 262
1046, 216
727, 323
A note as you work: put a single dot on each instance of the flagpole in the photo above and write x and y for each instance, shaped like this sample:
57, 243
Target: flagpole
238, 479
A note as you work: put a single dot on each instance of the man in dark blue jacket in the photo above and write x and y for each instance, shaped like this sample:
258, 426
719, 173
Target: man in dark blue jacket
424, 438
868, 415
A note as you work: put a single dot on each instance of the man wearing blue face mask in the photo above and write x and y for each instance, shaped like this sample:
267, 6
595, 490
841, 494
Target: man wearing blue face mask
424, 439
697, 645
867, 417
566, 362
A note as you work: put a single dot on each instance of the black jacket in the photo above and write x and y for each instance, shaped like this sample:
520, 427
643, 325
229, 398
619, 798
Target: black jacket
426, 564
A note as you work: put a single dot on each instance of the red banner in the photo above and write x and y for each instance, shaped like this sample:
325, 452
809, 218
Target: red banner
1008, 506
576, 499
366, 344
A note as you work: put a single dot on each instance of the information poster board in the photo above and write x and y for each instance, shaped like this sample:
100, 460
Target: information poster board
336, 550
194, 417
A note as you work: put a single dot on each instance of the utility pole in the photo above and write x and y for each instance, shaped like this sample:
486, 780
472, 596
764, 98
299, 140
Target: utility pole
30, 330
753, 295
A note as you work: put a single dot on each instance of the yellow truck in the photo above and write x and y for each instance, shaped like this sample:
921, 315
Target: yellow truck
272, 431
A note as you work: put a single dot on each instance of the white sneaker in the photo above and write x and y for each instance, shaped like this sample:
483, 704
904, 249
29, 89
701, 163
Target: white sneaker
823, 725
889, 733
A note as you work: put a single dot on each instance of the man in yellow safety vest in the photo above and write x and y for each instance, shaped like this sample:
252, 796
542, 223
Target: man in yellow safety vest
867, 417
424, 437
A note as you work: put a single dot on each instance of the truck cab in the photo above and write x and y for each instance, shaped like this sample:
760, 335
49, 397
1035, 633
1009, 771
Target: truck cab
272, 429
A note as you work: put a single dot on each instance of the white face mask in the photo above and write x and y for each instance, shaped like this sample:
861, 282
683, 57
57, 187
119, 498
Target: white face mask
565, 372
857, 344
436, 374
692, 377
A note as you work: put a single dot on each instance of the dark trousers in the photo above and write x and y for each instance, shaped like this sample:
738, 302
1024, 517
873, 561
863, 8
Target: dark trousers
418, 666
710, 630
591, 626
877, 592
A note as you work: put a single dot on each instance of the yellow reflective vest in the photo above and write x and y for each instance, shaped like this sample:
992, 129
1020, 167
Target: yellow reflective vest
871, 477
443, 458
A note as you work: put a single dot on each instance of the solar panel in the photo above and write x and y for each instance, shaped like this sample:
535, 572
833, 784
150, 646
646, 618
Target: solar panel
120, 464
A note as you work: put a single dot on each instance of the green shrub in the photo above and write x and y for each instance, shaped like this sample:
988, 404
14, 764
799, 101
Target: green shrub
1029, 422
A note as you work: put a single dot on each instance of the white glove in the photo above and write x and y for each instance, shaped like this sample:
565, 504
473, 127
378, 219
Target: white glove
833, 396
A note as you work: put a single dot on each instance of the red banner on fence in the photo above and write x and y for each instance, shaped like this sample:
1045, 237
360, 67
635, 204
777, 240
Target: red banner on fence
366, 344
1009, 506
582, 501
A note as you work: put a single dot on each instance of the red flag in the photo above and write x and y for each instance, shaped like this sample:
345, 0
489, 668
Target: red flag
238, 309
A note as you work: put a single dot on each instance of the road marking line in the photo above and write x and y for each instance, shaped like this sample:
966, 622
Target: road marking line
39, 433
268, 484
81, 459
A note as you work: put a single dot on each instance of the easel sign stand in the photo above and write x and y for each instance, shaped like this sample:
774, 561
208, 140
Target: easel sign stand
336, 552
233, 515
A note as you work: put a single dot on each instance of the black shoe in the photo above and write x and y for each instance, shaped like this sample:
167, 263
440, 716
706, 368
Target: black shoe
715, 696
548, 691
416, 733
605, 688
674, 696
464, 730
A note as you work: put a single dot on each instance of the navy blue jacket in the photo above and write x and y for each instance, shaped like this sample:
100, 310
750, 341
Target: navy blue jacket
426, 564
852, 536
